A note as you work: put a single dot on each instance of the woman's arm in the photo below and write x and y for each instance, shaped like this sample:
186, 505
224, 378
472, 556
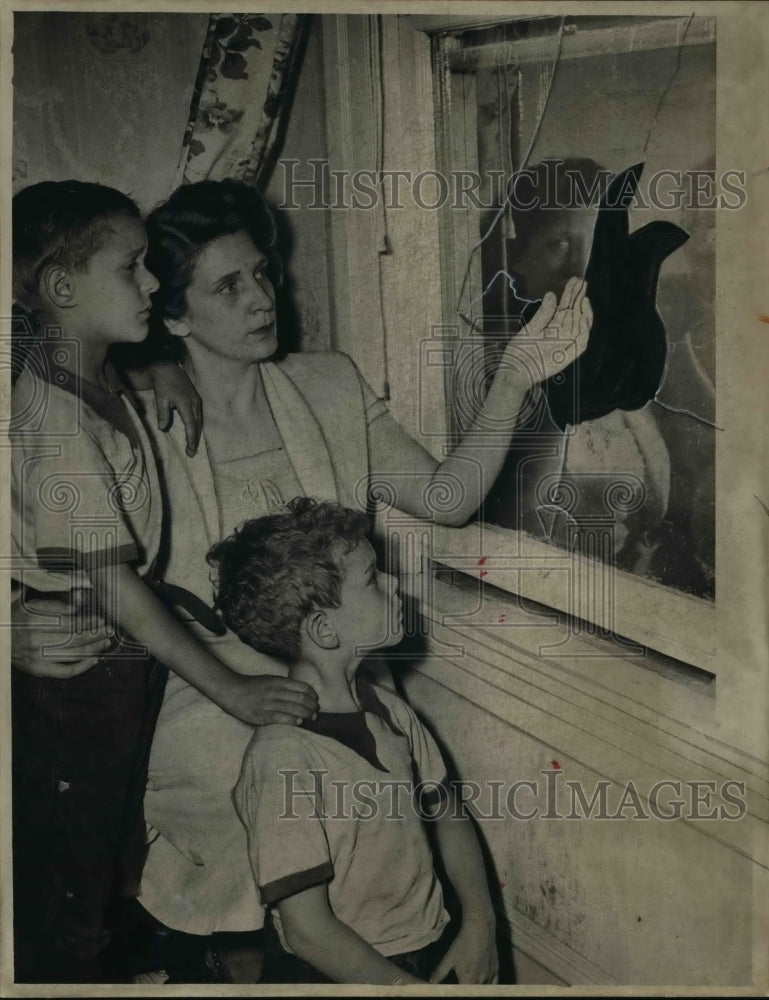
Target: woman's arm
317, 936
451, 491
126, 599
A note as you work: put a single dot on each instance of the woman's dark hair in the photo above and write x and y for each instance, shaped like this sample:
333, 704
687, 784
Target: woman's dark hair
177, 231
194, 216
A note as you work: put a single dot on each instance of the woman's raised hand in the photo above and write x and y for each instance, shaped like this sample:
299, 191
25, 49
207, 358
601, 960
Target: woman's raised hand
268, 699
556, 335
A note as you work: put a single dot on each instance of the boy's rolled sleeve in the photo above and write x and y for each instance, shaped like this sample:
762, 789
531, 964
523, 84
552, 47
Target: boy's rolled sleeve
279, 798
71, 507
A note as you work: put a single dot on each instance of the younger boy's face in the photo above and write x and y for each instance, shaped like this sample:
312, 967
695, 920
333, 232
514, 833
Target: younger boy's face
370, 613
113, 290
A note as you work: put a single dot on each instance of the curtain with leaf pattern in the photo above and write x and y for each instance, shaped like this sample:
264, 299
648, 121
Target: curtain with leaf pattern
247, 71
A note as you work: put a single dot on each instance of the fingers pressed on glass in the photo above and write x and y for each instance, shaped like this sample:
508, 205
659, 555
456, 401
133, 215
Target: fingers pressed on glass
570, 292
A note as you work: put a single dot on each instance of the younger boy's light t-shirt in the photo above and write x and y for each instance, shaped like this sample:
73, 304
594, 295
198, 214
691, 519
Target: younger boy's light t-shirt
320, 810
85, 490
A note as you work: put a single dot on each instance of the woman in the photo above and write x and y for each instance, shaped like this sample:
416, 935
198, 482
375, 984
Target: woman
274, 429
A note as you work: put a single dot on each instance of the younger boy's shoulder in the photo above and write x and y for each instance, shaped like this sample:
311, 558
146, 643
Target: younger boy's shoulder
375, 694
278, 732
279, 742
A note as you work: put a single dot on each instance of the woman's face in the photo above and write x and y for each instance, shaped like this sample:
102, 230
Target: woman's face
230, 301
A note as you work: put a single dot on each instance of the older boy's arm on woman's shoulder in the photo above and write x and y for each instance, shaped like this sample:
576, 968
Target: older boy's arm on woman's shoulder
473, 952
317, 936
126, 599
173, 391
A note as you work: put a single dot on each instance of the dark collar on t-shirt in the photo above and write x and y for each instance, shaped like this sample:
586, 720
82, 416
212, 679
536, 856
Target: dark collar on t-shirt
350, 728
106, 403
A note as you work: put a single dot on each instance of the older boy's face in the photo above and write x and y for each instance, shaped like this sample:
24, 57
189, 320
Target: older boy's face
370, 614
113, 290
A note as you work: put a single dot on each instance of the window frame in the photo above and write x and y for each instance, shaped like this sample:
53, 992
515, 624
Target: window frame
591, 592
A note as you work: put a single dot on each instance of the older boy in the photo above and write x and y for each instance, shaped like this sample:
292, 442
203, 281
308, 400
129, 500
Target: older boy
345, 865
86, 527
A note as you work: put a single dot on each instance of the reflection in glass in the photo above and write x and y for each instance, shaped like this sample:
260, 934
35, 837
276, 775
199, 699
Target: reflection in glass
618, 459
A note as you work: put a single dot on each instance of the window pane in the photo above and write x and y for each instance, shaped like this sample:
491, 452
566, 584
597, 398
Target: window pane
616, 456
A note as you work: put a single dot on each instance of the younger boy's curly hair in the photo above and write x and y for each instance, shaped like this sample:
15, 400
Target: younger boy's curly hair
274, 570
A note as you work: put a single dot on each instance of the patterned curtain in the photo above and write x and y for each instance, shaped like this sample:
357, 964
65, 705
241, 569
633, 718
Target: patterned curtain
242, 93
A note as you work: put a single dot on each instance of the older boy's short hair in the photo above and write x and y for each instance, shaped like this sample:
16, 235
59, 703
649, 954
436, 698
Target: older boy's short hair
275, 570
60, 222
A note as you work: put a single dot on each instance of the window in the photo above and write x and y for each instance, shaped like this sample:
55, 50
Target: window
613, 480
414, 109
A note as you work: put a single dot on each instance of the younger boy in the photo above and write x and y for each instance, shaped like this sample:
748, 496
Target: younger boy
86, 528
336, 844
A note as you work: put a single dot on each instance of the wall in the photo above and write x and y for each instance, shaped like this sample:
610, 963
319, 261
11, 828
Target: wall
305, 232
592, 900
117, 117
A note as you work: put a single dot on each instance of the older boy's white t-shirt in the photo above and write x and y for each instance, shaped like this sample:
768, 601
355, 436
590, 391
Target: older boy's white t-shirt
85, 489
321, 810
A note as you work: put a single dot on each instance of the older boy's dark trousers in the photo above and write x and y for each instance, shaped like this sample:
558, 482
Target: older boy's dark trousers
80, 754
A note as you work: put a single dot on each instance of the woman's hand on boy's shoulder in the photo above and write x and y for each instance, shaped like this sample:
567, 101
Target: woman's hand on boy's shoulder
268, 699
472, 955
